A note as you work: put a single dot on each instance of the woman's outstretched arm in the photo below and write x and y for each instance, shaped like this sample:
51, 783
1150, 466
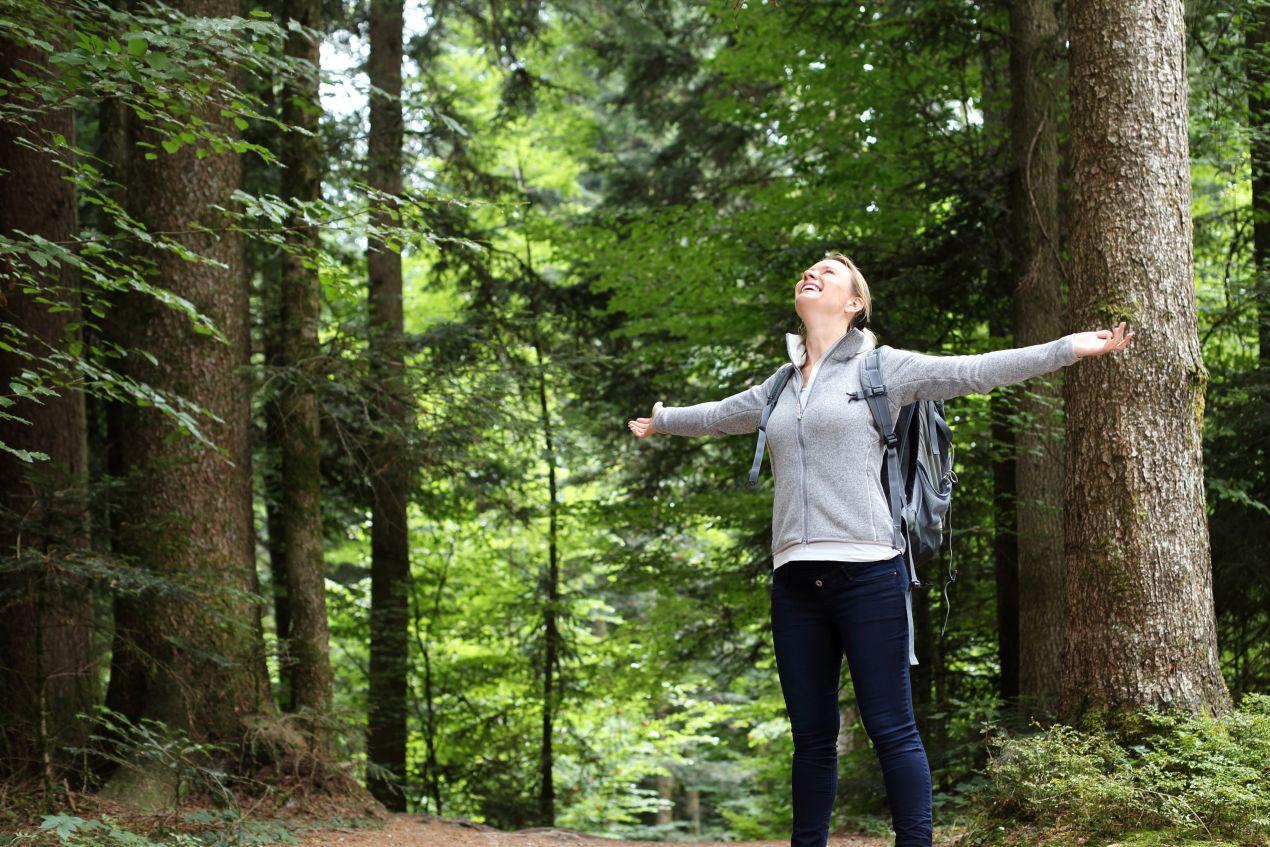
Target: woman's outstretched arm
916, 376
735, 415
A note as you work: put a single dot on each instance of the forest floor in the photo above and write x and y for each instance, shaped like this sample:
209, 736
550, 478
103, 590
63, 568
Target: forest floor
415, 830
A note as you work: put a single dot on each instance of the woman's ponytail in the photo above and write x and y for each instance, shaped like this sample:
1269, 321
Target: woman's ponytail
861, 288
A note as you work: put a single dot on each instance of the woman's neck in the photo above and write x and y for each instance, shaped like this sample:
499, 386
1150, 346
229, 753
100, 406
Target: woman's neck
819, 339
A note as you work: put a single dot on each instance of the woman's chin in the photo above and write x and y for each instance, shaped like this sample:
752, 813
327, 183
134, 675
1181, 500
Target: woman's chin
810, 306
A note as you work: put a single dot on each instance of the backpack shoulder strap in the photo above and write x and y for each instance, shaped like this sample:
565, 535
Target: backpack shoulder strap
873, 389
777, 389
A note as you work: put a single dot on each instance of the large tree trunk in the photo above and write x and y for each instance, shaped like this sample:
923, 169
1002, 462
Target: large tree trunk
1140, 623
300, 508
48, 670
390, 481
1038, 316
190, 519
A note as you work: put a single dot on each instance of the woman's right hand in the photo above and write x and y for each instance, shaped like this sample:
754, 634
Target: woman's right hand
643, 427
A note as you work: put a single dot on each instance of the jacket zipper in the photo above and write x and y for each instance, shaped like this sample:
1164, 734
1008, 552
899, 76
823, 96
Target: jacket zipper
802, 452
802, 455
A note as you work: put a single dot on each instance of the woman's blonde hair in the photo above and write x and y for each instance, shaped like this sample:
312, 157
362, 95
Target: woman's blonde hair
859, 288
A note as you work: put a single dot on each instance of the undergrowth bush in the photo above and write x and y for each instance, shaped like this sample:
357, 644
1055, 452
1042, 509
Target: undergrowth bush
1192, 775
213, 830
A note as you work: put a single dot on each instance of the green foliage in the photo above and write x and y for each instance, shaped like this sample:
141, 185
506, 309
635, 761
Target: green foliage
201, 828
184, 79
154, 746
1193, 775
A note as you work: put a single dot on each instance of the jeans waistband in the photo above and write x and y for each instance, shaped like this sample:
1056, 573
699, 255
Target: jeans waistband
829, 572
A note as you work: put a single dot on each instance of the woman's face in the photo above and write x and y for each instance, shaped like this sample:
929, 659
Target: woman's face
824, 291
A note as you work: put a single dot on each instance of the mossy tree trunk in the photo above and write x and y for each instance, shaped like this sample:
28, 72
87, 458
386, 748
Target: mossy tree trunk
1140, 622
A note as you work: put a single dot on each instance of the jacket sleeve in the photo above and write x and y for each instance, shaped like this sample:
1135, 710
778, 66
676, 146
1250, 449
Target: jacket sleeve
735, 415
913, 376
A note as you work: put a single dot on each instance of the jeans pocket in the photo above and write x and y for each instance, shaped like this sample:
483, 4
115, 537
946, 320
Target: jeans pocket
871, 572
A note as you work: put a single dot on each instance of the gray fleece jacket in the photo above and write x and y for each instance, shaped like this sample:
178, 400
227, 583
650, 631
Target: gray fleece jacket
826, 458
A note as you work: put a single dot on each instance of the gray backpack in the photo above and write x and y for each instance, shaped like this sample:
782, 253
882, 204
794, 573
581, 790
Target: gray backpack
917, 473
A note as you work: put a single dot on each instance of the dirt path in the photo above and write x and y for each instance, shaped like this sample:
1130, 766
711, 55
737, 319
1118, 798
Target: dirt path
409, 830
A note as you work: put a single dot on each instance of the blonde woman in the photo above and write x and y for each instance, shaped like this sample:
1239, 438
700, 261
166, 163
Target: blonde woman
838, 585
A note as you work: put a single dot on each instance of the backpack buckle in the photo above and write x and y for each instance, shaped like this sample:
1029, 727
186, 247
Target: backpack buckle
891, 439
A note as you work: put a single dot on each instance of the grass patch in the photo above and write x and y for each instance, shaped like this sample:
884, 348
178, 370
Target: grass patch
1173, 780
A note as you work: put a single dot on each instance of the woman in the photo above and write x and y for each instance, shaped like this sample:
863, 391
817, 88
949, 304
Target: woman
838, 583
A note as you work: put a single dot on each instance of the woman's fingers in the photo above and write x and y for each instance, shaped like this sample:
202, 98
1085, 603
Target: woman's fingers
643, 427
1114, 339
1097, 342
1120, 338
639, 427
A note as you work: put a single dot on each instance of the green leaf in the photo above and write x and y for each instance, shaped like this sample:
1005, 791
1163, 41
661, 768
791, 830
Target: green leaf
63, 825
137, 46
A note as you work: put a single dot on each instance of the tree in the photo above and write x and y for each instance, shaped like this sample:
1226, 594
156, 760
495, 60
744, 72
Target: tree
1038, 316
390, 477
300, 508
1140, 622
47, 662
190, 519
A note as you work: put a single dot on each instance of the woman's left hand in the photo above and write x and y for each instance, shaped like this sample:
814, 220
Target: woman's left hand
1103, 341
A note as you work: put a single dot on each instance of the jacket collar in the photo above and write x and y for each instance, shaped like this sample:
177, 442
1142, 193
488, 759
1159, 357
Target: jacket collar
851, 343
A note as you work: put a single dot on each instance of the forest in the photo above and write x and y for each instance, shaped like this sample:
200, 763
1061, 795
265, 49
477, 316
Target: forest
325, 326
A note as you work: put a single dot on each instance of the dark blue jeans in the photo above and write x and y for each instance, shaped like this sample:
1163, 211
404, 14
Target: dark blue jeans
819, 610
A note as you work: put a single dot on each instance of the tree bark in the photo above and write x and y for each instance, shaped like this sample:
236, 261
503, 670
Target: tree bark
1140, 622
390, 481
692, 809
665, 815
190, 518
1038, 316
48, 666
300, 492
